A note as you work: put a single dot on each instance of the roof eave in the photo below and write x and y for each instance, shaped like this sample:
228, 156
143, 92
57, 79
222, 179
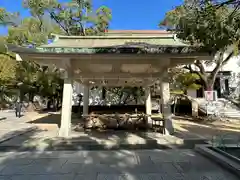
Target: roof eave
114, 37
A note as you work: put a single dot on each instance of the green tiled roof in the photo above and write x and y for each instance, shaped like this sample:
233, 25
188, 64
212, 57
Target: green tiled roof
161, 44
109, 41
109, 44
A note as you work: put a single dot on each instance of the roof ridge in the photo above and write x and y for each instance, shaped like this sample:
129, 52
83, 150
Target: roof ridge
57, 37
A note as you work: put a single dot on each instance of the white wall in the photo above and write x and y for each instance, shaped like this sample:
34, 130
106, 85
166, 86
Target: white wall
233, 66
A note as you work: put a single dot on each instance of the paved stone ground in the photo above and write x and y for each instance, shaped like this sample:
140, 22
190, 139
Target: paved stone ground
206, 130
12, 126
185, 131
110, 165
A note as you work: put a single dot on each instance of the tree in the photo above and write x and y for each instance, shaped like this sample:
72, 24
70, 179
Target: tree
7, 18
183, 80
7, 78
214, 30
27, 76
220, 3
75, 17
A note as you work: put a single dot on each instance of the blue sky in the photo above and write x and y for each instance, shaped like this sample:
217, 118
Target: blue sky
127, 14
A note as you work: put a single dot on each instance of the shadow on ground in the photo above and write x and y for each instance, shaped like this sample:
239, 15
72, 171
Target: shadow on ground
185, 136
108, 165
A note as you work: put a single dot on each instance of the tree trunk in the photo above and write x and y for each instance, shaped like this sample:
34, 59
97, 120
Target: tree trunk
209, 85
31, 96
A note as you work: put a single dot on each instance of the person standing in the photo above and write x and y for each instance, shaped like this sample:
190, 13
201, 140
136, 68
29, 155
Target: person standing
18, 108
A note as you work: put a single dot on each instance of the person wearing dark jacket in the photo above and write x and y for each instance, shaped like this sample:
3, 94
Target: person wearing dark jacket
18, 107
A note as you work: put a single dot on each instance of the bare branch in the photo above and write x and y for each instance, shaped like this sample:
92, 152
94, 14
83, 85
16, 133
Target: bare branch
58, 22
227, 58
227, 2
200, 73
219, 64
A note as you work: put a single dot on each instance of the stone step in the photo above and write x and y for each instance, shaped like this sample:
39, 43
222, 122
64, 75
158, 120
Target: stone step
223, 106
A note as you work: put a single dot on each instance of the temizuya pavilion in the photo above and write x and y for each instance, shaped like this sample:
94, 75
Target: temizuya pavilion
126, 59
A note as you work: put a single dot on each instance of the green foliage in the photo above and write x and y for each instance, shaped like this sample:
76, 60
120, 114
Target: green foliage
183, 80
7, 68
188, 81
7, 18
172, 17
28, 32
124, 95
213, 28
74, 18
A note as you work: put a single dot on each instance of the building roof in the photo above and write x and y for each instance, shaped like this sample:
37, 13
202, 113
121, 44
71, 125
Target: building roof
116, 41
137, 32
126, 38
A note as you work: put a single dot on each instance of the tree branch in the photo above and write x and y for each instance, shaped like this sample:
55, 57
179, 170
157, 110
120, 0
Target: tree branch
202, 75
228, 58
227, 2
59, 23
219, 64
200, 66
9, 55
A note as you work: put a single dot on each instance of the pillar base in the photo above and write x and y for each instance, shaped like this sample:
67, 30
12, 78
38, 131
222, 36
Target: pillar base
194, 108
168, 127
64, 132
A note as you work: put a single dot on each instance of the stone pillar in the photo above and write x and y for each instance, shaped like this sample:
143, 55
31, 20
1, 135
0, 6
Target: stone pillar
103, 97
148, 104
166, 108
66, 115
85, 100
194, 108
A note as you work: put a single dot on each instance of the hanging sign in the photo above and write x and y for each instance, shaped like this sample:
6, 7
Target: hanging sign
210, 95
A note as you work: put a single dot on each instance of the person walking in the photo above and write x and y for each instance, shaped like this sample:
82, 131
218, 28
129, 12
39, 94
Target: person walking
18, 107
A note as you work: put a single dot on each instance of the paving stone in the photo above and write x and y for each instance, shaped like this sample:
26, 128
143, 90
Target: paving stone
111, 165
30, 169
209, 176
173, 155
144, 159
118, 177
22, 177
92, 176
161, 176
50, 161
5, 178
72, 168
111, 157
166, 167
185, 167
101, 168
54, 177
19, 161
36, 166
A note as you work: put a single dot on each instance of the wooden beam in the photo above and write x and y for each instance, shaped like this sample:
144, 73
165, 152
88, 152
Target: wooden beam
57, 56
113, 60
112, 75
